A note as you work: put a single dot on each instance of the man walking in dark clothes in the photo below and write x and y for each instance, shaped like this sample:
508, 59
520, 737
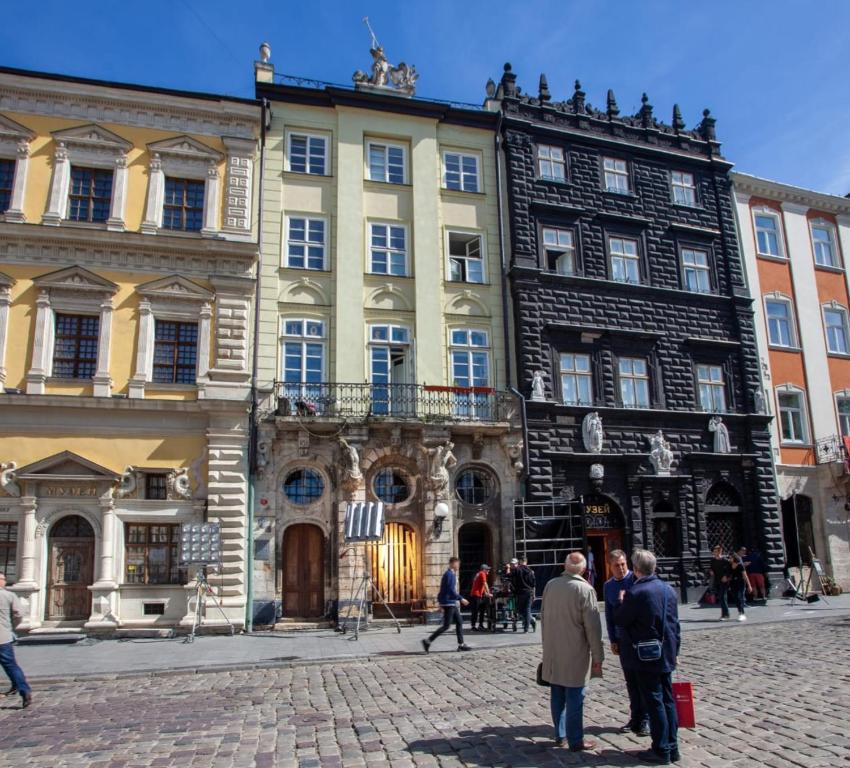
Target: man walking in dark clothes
524, 583
450, 601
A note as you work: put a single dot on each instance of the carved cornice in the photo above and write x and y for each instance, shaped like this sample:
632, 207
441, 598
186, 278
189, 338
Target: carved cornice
775, 190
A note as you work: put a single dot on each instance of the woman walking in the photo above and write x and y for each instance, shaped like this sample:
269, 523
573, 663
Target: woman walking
721, 572
739, 584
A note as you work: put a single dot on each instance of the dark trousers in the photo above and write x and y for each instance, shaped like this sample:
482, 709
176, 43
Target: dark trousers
451, 614
637, 711
738, 592
523, 607
723, 598
656, 690
479, 610
11, 668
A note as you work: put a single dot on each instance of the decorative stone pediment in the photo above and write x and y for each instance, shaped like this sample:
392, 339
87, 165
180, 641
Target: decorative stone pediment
467, 303
175, 287
185, 148
92, 137
75, 279
389, 297
6, 281
66, 465
305, 291
12, 134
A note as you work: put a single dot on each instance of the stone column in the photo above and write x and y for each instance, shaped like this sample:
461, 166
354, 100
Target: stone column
15, 211
115, 222
28, 504
204, 329
101, 380
211, 201
144, 351
40, 365
6, 284
105, 589
57, 205
156, 197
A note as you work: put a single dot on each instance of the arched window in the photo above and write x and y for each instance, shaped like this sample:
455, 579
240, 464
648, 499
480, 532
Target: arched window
474, 486
391, 485
304, 486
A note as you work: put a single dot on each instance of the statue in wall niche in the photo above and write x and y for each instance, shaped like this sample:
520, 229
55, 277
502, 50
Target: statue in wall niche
660, 454
538, 388
441, 460
597, 472
758, 400
8, 480
350, 460
178, 484
127, 483
591, 432
721, 435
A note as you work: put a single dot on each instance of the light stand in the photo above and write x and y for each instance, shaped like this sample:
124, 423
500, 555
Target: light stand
365, 589
203, 592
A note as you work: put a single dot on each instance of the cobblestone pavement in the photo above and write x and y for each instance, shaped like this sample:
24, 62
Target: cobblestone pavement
775, 695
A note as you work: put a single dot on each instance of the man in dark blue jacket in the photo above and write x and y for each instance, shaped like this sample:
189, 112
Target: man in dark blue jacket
622, 579
649, 611
450, 599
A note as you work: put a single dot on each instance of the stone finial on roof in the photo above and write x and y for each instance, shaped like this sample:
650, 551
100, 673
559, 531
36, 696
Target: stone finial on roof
678, 123
543, 90
509, 81
707, 126
578, 99
645, 111
612, 109
490, 88
265, 53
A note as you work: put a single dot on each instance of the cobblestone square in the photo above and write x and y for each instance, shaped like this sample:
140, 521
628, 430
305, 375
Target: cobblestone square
770, 694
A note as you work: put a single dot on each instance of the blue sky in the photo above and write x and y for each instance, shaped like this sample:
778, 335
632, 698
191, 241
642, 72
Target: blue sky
774, 72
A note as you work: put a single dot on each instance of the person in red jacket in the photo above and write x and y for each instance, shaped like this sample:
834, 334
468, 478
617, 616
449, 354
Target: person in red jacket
480, 598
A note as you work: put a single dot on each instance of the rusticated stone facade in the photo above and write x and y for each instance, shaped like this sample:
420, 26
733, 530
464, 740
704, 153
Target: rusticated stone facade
680, 322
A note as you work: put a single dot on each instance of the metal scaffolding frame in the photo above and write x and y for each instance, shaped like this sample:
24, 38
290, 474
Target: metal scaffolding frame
546, 531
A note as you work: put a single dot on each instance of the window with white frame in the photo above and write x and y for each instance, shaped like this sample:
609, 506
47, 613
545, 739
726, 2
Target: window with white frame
175, 352
388, 249
842, 406
684, 188
624, 259
696, 272
7, 182
466, 263
616, 174
75, 342
780, 324
823, 243
712, 388
307, 153
470, 357
305, 242
460, 172
792, 414
634, 382
391, 369
386, 162
302, 357
767, 233
551, 164
559, 249
835, 326
576, 379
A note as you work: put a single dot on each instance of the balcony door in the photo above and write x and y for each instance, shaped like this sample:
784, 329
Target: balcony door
392, 371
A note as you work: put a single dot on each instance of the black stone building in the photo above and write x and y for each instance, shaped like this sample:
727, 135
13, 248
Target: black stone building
629, 302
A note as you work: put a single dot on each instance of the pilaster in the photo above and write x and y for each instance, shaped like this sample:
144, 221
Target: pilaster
118, 204
15, 211
102, 380
156, 197
144, 350
40, 364
58, 203
211, 201
6, 284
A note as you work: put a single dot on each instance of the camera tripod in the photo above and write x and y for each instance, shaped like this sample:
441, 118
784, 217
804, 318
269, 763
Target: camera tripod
203, 591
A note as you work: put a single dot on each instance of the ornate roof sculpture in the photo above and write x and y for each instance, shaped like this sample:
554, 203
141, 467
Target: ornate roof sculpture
400, 80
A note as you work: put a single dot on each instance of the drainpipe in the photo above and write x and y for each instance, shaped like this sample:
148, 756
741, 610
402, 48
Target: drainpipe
502, 257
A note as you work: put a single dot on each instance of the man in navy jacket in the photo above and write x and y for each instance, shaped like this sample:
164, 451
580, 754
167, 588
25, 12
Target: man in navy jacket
649, 611
450, 599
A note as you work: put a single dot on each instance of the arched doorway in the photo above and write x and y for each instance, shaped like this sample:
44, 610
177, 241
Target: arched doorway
303, 572
797, 532
71, 569
475, 546
723, 517
395, 564
605, 531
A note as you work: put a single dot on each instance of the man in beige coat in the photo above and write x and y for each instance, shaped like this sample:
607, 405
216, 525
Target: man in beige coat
572, 648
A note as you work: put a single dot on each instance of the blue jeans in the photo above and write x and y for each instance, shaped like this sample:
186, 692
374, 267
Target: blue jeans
637, 711
567, 713
11, 668
656, 689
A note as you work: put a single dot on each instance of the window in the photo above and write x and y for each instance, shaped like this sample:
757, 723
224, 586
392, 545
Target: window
388, 249
684, 189
386, 163
183, 209
559, 247
696, 274
712, 389
391, 486
576, 379
823, 242
780, 329
75, 346
634, 382
625, 261
792, 415
9, 551
665, 531
767, 234
391, 367
835, 324
303, 358
616, 175
465, 259
308, 154
550, 163
7, 179
152, 554
842, 405
89, 195
304, 486
156, 486
305, 243
175, 352
460, 172
473, 487
470, 367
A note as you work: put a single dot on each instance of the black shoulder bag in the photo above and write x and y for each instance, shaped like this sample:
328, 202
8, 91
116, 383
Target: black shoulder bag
651, 650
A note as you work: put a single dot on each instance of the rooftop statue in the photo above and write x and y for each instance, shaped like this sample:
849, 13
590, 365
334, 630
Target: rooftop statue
383, 74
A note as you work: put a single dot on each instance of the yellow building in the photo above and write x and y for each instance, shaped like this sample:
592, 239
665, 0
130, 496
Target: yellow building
381, 344
128, 246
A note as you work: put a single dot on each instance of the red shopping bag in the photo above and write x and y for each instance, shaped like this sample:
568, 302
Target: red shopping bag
683, 695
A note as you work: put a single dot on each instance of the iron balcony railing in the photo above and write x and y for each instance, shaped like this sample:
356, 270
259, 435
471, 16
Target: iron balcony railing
830, 449
415, 402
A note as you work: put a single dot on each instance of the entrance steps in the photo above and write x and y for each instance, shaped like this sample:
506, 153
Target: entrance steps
301, 625
53, 636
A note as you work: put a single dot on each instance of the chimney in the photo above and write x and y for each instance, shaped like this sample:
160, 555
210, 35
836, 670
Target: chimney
264, 69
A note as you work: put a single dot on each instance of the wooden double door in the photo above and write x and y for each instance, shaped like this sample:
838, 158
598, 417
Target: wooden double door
303, 572
71, 570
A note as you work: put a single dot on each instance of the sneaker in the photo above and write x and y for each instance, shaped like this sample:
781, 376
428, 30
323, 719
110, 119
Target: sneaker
724, 618
560, 742
651, 756
426, 645
464, 647
742, 617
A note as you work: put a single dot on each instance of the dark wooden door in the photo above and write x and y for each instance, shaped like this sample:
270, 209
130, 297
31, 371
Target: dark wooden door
71, 570
303, 572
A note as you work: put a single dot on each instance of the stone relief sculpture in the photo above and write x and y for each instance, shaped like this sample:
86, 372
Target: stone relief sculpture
592, 433
441, 460
383, 74
127, 483
538, 388
8, 480
758, 400
721, 435
515, 454
263, 457
350, 460
179, 485
660, 454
